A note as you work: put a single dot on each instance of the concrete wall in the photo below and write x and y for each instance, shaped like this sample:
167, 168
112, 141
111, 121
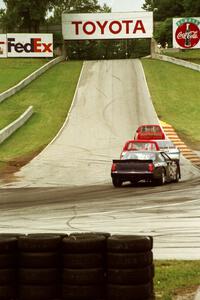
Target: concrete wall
12, 127
29, 79
176, 61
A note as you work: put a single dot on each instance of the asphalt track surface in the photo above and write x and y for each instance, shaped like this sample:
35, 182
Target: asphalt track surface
67, 187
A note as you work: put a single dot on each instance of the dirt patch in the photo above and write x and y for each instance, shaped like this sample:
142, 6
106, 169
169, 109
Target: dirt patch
186, 293
8, 171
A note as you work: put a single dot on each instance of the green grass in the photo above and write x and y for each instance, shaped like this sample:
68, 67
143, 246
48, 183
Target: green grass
13, 70
175, 277
175, 92
189, 55
51, 96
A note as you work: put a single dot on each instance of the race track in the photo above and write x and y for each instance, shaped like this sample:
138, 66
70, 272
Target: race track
68, 188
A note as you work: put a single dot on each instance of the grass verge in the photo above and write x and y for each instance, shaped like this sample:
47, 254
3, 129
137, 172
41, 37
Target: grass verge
175, 92
51, 96
174, 278
13, 70
189, 55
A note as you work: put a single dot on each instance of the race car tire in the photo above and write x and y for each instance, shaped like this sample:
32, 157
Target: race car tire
129, 243
177, 176
83, 261
130, 276
129, 260
38, 259
84, 243
117, 182
38, 276
162, 179
83, 292
83, 276
39, 242
129, 292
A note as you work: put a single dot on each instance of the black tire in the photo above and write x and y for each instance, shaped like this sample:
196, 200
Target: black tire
129, 243
131, 276
83, 292
177, 177
38, 292
117, 182
8, 292
38, 276
162, 179
39, 242
129, 260
8, 244
129, 292
8, 261
83, 276
8, 276
38, 259
83, 261
100, 233
84, 244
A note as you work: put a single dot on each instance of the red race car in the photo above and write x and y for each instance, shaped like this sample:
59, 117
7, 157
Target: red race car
149, 132
139, 145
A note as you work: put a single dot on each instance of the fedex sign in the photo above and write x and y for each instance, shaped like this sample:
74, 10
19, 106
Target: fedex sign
29, 45
107, 26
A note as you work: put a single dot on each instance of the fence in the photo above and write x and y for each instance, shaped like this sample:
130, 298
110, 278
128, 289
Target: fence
12, 127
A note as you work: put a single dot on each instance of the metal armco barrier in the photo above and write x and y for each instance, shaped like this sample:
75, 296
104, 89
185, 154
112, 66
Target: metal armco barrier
81, 266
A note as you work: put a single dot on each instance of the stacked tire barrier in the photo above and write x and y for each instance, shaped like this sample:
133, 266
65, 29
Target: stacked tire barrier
39, 267
81, 266
130, 268
84, 267
8, 267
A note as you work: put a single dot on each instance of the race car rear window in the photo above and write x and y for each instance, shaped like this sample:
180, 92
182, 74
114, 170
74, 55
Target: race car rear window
139, 155
141, 146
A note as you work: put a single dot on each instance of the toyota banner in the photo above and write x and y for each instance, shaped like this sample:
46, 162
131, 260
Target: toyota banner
107, 26
26, 45
186, 33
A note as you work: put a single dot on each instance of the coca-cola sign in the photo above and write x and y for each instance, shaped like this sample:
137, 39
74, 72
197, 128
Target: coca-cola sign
186, 33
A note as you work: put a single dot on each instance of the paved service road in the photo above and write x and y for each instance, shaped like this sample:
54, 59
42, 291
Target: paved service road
68, 186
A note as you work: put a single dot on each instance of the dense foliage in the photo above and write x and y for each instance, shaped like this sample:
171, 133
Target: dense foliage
165, 10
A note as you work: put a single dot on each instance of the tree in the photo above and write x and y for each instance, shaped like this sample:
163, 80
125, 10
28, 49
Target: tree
192, 8
26, 14
164, 9
163, 32
75, 6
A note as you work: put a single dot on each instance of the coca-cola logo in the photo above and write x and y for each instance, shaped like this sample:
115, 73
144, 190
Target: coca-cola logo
187, 35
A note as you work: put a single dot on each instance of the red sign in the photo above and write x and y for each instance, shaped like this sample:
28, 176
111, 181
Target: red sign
188, 35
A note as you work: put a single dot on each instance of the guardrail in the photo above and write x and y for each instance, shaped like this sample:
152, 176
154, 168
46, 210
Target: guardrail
80, 266
23, 83
12, 127
176, 61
